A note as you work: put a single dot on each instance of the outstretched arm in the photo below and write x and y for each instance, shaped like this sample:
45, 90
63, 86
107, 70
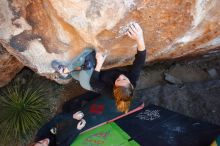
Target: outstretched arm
135, 32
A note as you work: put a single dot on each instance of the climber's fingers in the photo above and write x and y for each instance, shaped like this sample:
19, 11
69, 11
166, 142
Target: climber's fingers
137, 26
132, 33
106, 53
129, 34
132, 26
100, 56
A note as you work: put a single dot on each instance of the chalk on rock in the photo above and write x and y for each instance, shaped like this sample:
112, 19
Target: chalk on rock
172, 79
213, 73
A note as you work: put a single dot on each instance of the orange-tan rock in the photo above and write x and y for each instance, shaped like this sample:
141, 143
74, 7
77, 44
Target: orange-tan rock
39, 31
9, 67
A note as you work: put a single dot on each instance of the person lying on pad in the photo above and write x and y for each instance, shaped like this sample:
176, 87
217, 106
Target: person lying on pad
64, 127
61, 130
120, 82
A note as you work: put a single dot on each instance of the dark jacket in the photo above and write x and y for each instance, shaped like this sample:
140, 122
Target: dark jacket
103, 82
64, 122
66, 130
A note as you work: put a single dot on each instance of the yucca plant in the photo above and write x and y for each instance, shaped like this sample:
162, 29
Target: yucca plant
23, 108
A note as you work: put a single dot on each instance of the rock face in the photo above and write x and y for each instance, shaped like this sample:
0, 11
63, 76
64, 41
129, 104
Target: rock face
39, 31
9, 66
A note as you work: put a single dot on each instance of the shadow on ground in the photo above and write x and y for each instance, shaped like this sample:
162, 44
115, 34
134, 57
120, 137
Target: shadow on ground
198, 100
190, 87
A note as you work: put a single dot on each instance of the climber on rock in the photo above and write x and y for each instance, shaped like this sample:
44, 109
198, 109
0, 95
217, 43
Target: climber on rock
119, 81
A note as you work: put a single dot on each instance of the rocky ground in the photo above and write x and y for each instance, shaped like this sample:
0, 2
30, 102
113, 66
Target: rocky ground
190, 87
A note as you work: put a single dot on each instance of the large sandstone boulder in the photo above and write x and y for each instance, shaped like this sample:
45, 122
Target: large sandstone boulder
39, 31
9, 67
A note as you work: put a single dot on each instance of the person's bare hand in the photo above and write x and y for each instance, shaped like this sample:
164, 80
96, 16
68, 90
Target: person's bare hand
100, 58
135, 32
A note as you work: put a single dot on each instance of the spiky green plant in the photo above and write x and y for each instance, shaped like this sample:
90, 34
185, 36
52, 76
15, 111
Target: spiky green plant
23, 108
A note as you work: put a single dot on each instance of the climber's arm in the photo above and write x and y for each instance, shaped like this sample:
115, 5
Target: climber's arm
100, 58
96, 83
135, 32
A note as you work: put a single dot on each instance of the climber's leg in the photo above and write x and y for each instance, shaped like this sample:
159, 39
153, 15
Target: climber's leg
90, 61
84, 78
85, 61
79, 60
84, 75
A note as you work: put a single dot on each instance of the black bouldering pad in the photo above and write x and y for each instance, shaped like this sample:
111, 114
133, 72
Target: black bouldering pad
98, 109
102, 109
157, 126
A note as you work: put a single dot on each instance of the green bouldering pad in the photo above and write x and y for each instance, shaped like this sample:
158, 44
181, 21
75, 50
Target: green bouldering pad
105, 135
